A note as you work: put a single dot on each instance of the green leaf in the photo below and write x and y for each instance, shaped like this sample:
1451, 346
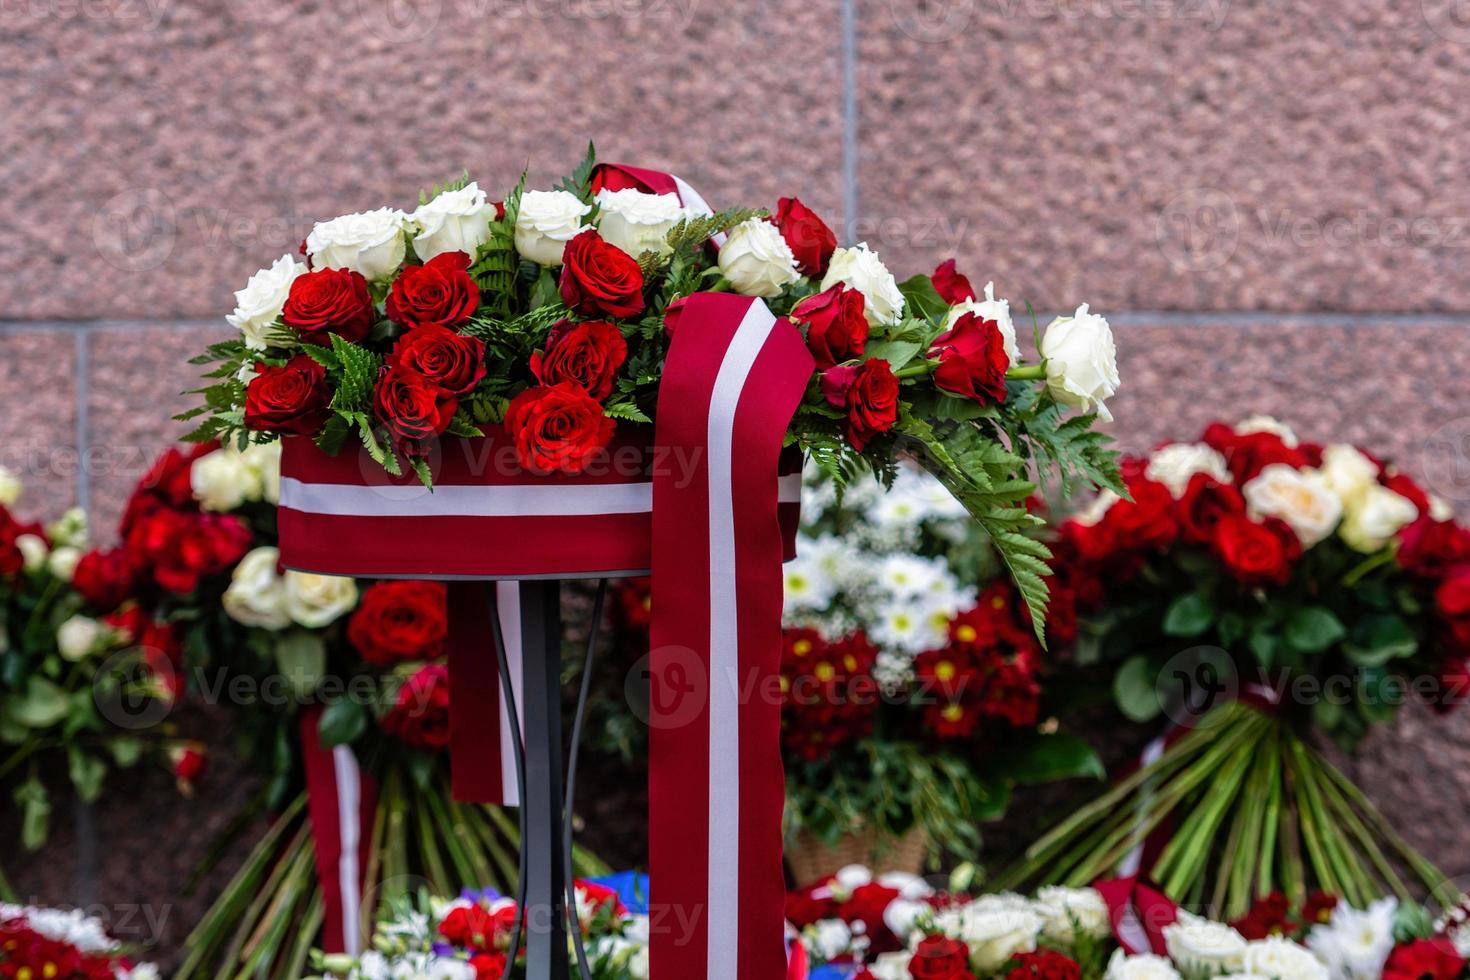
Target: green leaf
342, 723
1189, 615
1378, 639
42, 704
896, 352
301, 658
1312, 629
628, 411
1135, 688
923, 299
1054, 756
579, 181
421, 469
360, 369
125, 750
35, 807
86, 772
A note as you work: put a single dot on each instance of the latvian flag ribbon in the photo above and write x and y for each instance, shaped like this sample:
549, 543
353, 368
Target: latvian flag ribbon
710, 506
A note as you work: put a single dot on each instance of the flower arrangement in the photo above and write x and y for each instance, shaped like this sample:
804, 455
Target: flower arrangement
547, 315
62, 944
1259, 588
79, 692
866, 927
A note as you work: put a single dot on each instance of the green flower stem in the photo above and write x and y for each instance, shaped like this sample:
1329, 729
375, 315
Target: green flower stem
921, 367
1027, 372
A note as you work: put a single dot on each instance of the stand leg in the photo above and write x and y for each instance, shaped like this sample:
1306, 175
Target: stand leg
546, 918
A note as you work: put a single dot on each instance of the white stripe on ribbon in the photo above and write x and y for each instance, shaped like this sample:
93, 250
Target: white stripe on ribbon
1134, 858
723, 919
508, 608
349, 830
693, 200
512, 500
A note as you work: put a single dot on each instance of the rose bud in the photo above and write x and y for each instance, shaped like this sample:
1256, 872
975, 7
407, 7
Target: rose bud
189, 763
836, 329
972, 360
952, 286
292, 398
450, 360
811, 241
599, 279
587, 354
439, 293
329, 301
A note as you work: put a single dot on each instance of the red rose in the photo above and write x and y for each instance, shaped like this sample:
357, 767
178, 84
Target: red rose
329, 301
1431, 548
189, 765
1257, 553
867, 905
168, 483
414, 409
1044, 964
836, 329
292, 398
439, 293
1404, 485
1452, 600
450, 360
104, 578
952, 287
399, 621
1246, 454
871, 399
803, 907
1269, 916
811, 241
1204, 502
972, 359
420, 713
941, 958
1145, 523
470, 927
598, 279
586, 354
557, 428
1424, 959
178, 548
488, 966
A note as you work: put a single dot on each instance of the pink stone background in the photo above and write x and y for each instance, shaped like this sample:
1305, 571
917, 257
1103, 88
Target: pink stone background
1271, 200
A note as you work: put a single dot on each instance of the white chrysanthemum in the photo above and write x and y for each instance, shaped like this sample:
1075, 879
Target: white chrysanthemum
906, 576
1281, 959
860, 268
638, 222
1301, 498
905, 627
990, 308
454, 221
1144, 966
898, 508
1201, 947
1354, 944
807, 584
69, 926
369, 242
1070, 911
1176, 464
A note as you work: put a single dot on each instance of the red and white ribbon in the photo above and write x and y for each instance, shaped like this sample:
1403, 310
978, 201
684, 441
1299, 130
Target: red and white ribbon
482, 766
618, 177
340, 802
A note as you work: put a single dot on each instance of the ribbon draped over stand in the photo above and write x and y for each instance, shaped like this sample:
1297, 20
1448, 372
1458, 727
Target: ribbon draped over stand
710, 506
340, 803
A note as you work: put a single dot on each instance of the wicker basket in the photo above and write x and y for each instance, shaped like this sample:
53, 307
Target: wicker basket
811, 859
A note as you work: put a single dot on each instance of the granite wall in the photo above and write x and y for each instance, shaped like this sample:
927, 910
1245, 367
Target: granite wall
1267, 197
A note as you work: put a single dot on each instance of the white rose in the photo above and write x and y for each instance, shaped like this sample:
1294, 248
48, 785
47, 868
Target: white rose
258, 305
902, 913
1176, 464
995, 935
224, 480
1144, 966
990, 308
369, 242
257, 595
455, 221
891, 966
63, 562
1070, 912
1081, 361
69, 529
10, 487
1265, 423
1282, 959
862, 270
1301, 498
1375, 517
757, 260
79, 637
314, 600
546, 221
1201, 947
1348, 472
637, 222
33, 551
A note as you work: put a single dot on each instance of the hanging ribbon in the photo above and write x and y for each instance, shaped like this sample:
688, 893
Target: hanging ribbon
1138, 911
341, 801
482, 767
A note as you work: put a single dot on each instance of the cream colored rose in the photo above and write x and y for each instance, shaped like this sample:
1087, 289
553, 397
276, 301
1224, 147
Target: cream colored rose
315, 601
546, 221
369, 242
1144, 966
1070, 912
1176, 464
33, 551
990, 308
1348, 472
1265, 423
757, 260
224, 480
257, 594
1081, 362
258, 305
861, 269
1282, 959
10, 487
454, 221
637, 222
266, 458
80, 637
1200, 947
62, 562
1301, 498
1375, 517
995, 935
70, 528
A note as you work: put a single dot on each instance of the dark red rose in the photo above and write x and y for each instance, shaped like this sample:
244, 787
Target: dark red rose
12, 559
1257, 552
1204, 502
972, 359
836, 329
399, 621
1317, 909
469, 927
1246, 454
420, 713
941, 958
1269, 916
1424, 959
872, 402
598, 279
178, 548
835, 382
1145, 523
450, 360
811, 241
292, 398
414, 409
489, 966
168, 483
587, 354
557, 428
951, 286
1044, 964
104, 578
1431, 548
439, 293
329, 301
634, 603
867, 905
1452, 600
803, 907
